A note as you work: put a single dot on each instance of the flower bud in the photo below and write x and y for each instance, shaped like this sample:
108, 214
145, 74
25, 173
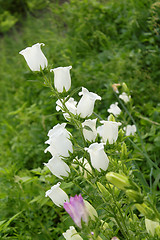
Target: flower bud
111, 118
151, 226
121, 134
136, 196
91, 210
124, 87
115, 87
124, 151
145, 210
105, 225
120, 181
157, 230
98, 238
102, 189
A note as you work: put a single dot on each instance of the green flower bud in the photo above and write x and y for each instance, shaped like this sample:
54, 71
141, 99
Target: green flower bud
104, 225
112, 118
152, 226
125, 88
145, 210
157, 230
91, 210
115, 189
120, 181
137, 196
102, 189
98, 238
120, 134
124, 151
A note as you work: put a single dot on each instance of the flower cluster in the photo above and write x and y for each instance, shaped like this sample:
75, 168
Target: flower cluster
91, 160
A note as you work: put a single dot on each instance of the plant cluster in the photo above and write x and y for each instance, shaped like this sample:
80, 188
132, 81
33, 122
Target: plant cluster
97, 161
106, 42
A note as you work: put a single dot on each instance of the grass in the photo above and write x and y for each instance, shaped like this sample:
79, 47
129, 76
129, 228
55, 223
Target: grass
105, 42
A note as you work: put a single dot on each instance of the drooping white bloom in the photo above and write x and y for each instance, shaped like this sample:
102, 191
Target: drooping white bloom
60, 144
99, 159
62, 78
125, 97
114, 109
130, 130
35, 57
58, 167
90, 135
71, 234
70, 105
57, 195
86, 104
108, 131
151, 226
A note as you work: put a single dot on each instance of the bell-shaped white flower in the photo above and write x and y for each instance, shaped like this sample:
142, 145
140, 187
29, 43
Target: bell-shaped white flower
62, 78
71, 234
99, 159
58, 167
130, 130
60, 144
35, 57
114, 109
108, 131
57, 195
86, 104
90, 134
70, 105
125, 97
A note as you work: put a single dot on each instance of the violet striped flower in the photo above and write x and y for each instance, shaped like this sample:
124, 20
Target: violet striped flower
77, 210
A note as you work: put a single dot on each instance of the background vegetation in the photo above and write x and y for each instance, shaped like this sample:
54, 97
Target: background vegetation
106, 42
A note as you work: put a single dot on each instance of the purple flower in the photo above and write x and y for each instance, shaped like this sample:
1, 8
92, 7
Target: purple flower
77, 210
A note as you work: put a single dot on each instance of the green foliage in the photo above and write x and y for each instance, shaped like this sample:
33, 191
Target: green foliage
13, 11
